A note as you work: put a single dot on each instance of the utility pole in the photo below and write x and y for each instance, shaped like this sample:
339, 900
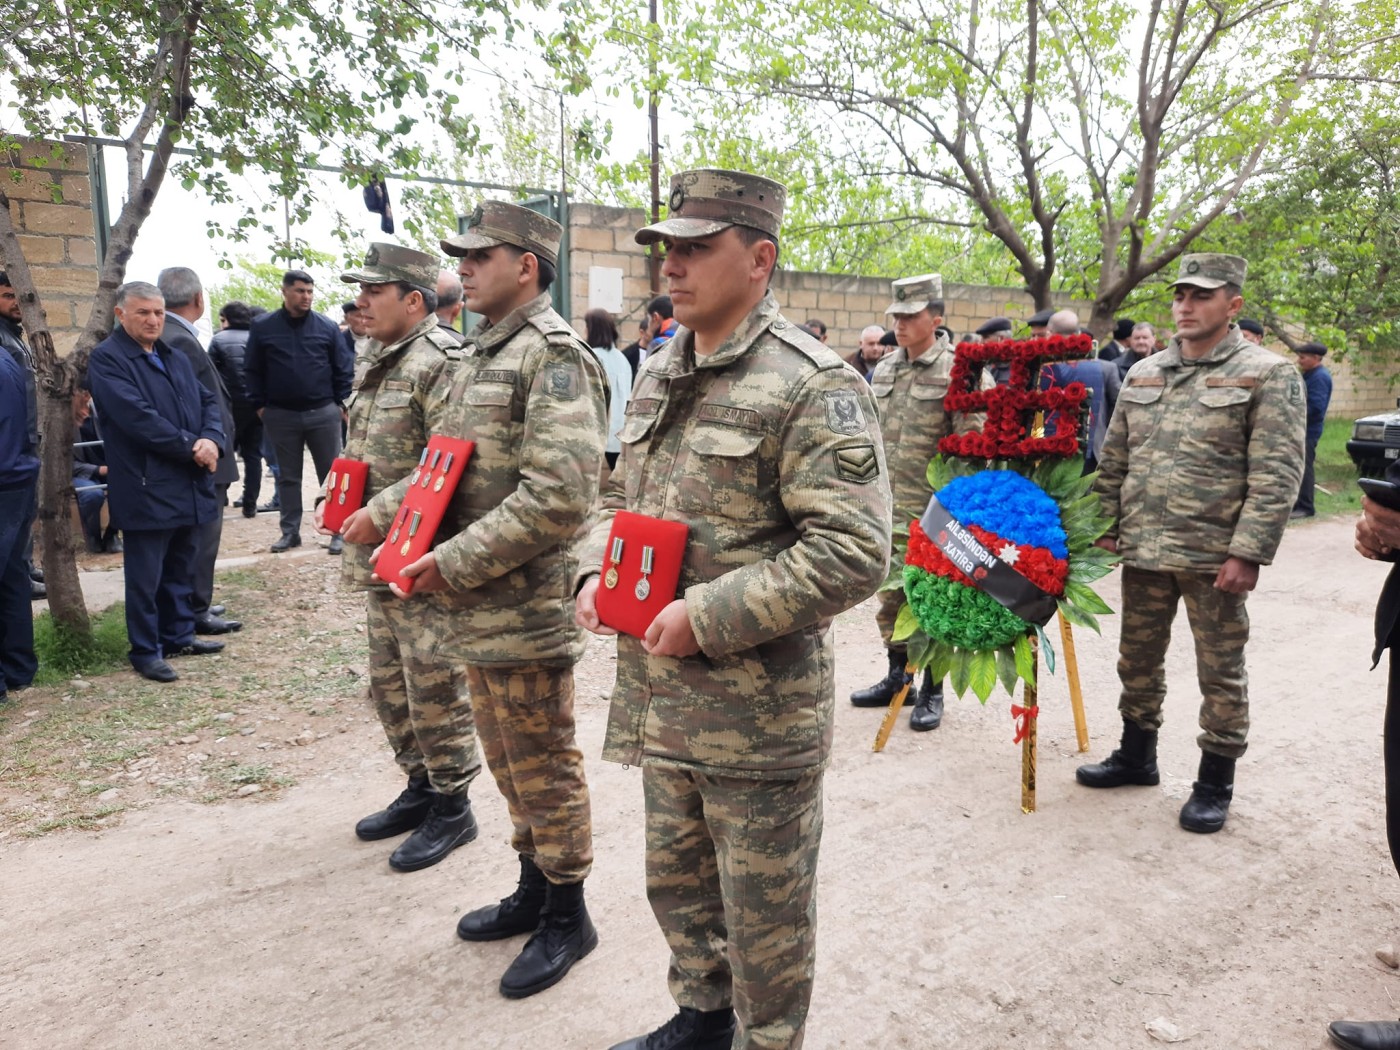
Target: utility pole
563, 166
653, 257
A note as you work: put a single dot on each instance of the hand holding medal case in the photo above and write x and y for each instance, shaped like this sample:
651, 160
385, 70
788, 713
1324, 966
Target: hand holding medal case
430, 489
641, 571
345, 491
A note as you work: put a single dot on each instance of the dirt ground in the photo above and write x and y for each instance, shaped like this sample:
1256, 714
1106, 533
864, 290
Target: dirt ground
181, 913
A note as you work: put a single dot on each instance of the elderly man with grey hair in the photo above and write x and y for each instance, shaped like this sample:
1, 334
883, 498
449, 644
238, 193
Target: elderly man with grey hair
871, 350
449, 304
184, 305
162, 438
1102, 379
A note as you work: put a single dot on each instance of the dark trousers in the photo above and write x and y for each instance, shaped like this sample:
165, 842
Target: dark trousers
17, 662
1305, 494
292, 434
248, 437
210, 535
1391, 750
159, 566
91, 495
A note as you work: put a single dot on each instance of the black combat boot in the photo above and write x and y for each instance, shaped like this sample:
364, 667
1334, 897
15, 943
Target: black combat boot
882, 692
518, 913
1205, 811
1135, 761
565, 936
690, 1029
928, 711
449, 824
403, 814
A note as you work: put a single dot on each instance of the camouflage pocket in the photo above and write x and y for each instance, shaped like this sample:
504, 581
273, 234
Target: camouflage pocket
721, 473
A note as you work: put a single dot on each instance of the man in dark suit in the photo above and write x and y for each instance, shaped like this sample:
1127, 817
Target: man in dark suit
1118, 345
163, 438
184, 305
1378, 538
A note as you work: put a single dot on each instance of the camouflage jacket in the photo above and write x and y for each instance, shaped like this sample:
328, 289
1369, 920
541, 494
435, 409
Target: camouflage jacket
532, 396
769, 450
909, 397
395, 405
1203, 459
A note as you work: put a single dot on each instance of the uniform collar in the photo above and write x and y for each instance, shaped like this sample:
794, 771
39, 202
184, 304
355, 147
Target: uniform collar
941, 345
678, 356
488, 337
377, 351
1228, 346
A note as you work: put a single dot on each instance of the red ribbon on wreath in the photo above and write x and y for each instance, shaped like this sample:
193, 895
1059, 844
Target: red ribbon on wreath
1023, 716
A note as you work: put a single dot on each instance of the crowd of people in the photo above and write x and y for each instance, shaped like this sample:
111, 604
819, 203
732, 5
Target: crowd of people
790, 466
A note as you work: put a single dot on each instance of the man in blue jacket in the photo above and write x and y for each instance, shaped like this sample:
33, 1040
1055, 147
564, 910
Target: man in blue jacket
298, 372
1318, 382
19, 469
163, 438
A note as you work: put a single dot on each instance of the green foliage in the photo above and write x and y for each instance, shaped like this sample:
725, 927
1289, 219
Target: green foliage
63, 653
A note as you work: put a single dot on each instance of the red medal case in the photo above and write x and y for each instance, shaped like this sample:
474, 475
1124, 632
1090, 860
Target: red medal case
627, 605
345, 491
430, 489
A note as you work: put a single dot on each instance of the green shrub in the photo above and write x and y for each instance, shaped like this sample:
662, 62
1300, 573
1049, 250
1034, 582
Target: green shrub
63, 654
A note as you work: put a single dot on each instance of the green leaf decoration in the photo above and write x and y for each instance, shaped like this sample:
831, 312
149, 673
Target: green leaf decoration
919, 646
1079, 617
1025, 658
1046, 649
1084, 598
960, 670
1006, 668
940, 661
982, 673
939, 473
904, 623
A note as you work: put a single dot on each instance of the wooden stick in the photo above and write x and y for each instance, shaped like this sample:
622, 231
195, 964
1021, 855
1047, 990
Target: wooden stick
1076, 693
1028, 741
892, 715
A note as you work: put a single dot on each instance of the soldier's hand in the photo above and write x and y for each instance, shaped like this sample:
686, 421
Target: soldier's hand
586, 609
425, 576
1237, 576
670, 634
1382, 527
1108, 543
319, 519
358, 528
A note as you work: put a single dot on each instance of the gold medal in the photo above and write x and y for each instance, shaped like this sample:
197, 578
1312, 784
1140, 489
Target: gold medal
404, 549
418, 470
643, 588
610, 579
398, 524
341, 499
438, 484
330, 482
442, 478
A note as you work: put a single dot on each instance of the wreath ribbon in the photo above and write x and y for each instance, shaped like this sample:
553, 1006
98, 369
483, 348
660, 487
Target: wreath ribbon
1023, 716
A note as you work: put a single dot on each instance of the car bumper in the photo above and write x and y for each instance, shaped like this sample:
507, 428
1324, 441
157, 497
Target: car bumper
1371, 451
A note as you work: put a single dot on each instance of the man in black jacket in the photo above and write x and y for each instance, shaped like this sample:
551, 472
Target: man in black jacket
298, 371
226, 351
12, 339
1378, 538
184, 305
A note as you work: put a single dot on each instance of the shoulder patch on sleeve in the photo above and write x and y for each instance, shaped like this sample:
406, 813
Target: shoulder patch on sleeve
1295, 387
843, 414
562, 381
858, 463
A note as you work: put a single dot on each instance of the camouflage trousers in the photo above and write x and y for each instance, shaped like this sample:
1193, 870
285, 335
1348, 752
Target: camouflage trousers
418, 685
731, 877
1220, 630
525, 718
885, 613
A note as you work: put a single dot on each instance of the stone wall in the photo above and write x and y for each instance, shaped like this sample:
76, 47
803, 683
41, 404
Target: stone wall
51, 204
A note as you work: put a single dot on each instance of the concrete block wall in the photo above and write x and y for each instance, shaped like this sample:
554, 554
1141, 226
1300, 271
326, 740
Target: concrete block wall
50, 195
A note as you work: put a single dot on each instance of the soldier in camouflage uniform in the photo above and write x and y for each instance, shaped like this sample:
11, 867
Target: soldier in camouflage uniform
909, 385
765, 443
531, 395
417, 683
1199, 472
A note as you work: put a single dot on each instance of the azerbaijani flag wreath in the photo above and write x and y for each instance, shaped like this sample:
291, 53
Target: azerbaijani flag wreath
1007, 540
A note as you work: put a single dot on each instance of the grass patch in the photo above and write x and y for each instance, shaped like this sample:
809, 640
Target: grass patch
1336, 472
63, 653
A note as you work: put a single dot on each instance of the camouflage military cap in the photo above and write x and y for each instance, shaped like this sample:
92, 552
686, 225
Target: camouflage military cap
708, 200
391, 263
1211, 271
496, 222
912, 294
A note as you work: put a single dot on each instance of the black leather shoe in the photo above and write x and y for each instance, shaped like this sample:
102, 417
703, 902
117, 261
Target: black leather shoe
690, 1029
286, 543
882, 692
36, 574
1365, 1035
37, 591
1205, 811
215, 625
401, 815
565, 936
157, 671
336, 545
92, 544
928, 711
250, 511
217, 610
198, 648
449, 824
1135, 761
274, 504
516, 914
113, 544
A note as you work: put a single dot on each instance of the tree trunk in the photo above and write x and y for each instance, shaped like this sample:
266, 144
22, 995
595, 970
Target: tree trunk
56, 498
